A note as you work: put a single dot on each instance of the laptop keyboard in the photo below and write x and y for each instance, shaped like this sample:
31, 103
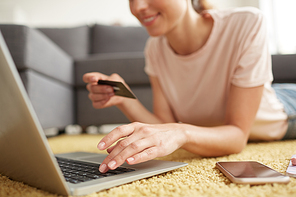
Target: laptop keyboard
78, 171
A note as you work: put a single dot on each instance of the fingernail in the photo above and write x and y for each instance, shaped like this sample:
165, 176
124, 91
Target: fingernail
101, 145
130, 159
112, 164
103, 168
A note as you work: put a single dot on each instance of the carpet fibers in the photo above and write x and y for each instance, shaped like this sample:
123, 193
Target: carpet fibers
199, 178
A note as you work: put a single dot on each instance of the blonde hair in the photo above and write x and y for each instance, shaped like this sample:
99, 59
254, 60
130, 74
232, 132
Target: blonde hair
201, 5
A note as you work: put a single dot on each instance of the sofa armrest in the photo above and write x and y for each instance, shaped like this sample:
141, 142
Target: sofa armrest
30, 49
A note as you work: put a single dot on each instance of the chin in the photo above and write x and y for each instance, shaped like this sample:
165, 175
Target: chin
155, 33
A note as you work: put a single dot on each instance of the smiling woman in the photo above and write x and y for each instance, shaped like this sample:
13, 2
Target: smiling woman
208, 97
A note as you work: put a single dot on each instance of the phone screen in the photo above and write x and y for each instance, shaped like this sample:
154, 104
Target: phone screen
251, 172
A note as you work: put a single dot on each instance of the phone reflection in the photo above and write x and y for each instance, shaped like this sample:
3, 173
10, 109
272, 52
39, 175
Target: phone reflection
250, 170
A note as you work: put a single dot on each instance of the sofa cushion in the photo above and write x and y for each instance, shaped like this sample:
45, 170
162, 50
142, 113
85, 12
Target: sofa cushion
284, 68
107, 39
130, 66
52, 101
74, 41
30, 49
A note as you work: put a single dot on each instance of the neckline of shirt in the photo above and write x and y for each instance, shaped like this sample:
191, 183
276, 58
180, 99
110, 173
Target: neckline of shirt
204, 48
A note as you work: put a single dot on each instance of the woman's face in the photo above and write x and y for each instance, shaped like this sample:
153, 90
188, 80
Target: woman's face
160, 17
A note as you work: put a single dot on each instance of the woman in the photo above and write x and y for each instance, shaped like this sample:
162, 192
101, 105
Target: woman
211, 80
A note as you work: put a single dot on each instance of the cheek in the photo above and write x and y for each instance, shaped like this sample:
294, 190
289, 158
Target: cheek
174, 13
132, 11
131, 7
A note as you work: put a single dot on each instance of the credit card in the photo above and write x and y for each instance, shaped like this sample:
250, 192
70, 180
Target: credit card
118, 87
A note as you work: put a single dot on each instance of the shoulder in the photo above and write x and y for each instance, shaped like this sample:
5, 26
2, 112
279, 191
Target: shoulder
245, 11
243, 21
249, 15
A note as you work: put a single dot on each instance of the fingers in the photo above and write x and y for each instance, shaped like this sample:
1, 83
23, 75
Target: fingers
136, 148
135, 152
109, 150
101, 95
116, 134
147, 154
95, 88
93, 77
99, 92
99, 104
108, 140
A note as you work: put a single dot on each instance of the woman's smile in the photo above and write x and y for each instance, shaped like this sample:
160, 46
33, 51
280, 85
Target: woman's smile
149, 20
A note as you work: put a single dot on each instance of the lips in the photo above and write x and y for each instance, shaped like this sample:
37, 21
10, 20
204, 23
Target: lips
149, 20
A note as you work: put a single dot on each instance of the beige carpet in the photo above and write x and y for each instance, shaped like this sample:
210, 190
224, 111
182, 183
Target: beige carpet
199, 178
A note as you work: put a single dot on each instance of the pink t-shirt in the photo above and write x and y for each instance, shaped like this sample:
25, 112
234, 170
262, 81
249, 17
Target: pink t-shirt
197, 85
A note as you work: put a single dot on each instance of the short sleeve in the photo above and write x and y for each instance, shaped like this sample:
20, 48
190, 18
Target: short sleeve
149, 57
254, 63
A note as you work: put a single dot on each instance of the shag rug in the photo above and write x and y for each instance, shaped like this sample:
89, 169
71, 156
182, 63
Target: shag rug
199, 178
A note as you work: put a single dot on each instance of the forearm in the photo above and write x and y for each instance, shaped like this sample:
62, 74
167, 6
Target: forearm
136, 112
214, 141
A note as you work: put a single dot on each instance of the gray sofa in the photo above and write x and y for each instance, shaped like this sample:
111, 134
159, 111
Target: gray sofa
52, 61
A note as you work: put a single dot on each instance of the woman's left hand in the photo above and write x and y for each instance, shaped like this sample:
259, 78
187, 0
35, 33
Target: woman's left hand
140, 142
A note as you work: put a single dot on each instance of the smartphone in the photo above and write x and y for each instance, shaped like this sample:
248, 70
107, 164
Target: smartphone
250, 172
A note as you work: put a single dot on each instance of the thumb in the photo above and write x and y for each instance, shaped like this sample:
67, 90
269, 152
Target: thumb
90, 78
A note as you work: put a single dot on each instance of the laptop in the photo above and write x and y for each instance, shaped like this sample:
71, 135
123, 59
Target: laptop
26, 156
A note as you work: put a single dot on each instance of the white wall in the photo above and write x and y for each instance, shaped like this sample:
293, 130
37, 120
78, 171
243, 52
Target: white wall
78, 12
234, 3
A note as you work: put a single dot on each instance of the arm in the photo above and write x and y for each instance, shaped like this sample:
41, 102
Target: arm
231, 137
102, 96
145, 142
136, 112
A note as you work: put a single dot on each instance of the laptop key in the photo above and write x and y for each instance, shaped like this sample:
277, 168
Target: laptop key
74, 181
77, 171
83, 179
93, 176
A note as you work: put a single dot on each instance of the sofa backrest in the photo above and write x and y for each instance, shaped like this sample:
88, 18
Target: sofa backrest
110, 39
75, 41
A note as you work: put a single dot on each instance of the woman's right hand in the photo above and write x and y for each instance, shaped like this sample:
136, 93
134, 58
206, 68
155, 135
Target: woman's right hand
102, 96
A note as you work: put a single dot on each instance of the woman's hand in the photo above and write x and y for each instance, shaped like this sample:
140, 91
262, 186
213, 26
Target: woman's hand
140, 142
102, 95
